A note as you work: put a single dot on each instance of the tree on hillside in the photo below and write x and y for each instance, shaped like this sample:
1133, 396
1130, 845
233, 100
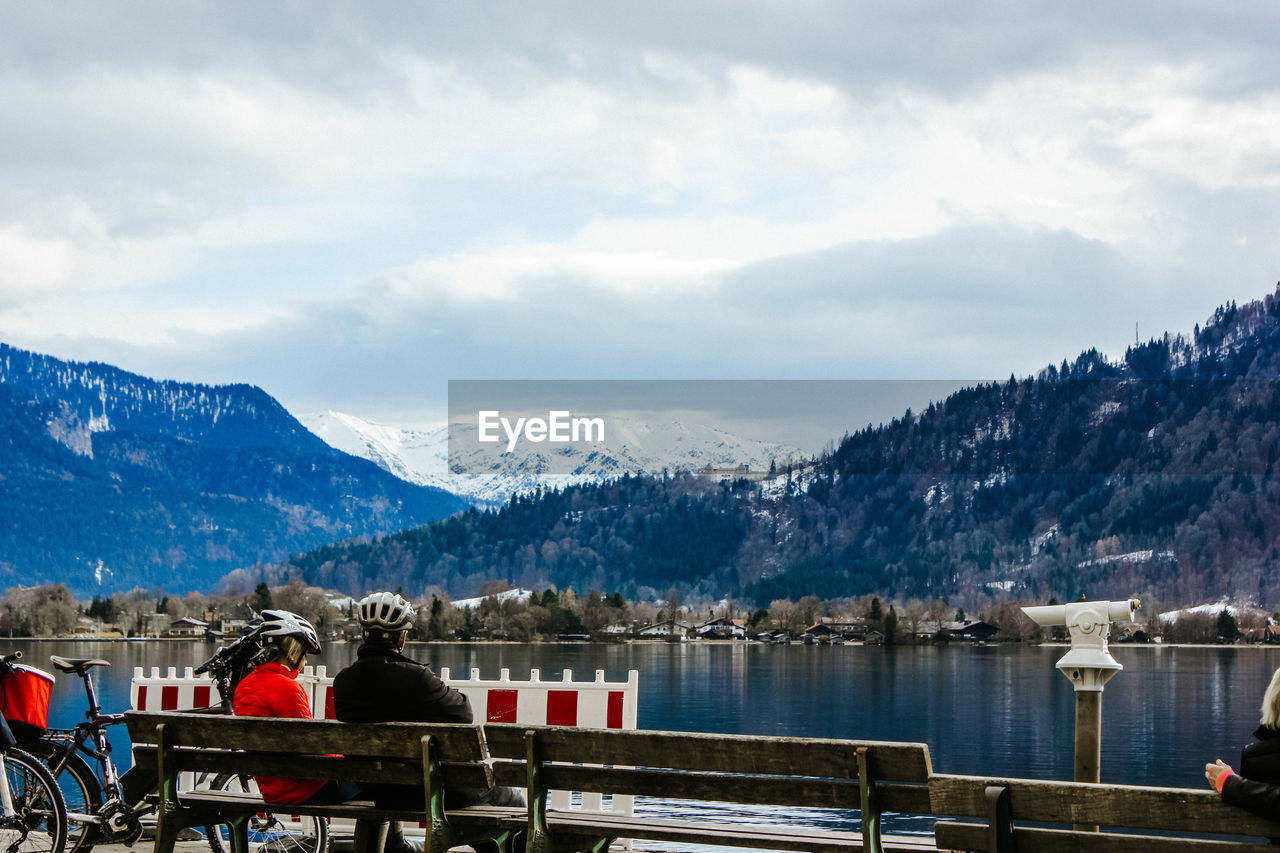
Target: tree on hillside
785, 615
891, 626
102, 609
1227, 628
874, 614
593, 613
938, 612
261, 599
43, 611
810, 609
671, 606
913, 612
308, 602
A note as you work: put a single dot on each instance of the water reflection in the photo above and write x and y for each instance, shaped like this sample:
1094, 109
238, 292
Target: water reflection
988, 710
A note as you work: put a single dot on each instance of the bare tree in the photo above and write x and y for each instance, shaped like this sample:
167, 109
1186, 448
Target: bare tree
939, 613
785, 614
913, 613
809, 610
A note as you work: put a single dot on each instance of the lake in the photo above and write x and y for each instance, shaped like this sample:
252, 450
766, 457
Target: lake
990, 710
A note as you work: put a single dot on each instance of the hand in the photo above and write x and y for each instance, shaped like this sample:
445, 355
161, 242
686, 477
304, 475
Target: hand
1214, 770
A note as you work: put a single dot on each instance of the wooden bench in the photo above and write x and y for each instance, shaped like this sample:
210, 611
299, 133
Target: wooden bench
712, 770
1151, 820
432, 755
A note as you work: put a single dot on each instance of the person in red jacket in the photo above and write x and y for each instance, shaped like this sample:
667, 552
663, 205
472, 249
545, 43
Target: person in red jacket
271, 689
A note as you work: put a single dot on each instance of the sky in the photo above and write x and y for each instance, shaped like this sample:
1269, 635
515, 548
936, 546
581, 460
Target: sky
350, 204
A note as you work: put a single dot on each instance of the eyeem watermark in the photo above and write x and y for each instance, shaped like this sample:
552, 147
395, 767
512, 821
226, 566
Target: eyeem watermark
559, 427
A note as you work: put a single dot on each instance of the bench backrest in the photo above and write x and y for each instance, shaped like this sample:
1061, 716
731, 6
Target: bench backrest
1080, 804
820, 773
309, 749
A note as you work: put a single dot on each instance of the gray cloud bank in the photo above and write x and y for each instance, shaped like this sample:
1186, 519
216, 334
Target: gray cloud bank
350, 204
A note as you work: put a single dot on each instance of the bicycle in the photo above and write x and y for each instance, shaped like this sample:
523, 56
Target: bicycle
33, 815
104, 805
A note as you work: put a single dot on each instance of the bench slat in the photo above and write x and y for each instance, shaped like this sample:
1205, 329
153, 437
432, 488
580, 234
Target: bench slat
894, 797
240, 802
717, 833
973, 837
342, 768
904, 762
719, 787
1138, 807
457, 741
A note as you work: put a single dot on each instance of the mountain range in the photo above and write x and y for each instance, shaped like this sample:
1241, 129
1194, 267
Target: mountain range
421, 454
1153, 474
110, 480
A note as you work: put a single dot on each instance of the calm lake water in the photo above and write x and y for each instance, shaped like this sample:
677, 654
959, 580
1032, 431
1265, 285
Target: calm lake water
989, 710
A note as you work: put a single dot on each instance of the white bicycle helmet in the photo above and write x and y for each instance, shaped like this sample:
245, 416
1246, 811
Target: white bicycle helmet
282, 623
386, 611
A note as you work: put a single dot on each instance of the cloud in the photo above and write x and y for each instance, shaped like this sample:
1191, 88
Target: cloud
946, 306
351, 204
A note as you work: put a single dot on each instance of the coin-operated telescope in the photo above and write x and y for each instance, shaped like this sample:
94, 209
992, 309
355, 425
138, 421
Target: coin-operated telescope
1089, 665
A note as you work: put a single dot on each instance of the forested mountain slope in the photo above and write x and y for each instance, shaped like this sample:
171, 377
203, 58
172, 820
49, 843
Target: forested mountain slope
1154, 475
110, 480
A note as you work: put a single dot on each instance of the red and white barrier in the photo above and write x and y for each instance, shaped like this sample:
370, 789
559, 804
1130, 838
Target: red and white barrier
589, 704
170, 692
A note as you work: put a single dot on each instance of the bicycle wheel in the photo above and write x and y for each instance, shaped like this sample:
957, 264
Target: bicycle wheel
39, 821
269, 832
81, 791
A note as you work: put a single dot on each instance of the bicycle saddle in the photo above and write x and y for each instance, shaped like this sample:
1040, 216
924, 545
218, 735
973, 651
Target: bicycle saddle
76, 665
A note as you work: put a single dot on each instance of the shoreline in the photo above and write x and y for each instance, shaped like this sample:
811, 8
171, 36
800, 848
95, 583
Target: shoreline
659, 641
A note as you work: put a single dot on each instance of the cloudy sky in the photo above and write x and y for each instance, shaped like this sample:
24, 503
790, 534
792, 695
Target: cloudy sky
349, 204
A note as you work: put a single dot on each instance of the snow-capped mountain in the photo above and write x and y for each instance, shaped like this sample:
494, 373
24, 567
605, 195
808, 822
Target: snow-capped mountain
420, 454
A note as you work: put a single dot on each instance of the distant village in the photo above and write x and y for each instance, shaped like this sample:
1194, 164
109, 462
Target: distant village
215, 627
523, 615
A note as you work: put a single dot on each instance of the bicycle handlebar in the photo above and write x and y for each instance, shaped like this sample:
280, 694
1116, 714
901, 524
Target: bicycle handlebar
228, 656
6, 662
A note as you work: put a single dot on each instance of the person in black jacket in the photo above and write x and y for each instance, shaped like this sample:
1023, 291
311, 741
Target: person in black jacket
1257, 786
384, 686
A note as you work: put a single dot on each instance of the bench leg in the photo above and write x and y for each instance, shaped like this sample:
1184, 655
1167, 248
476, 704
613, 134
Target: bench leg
539, 838
167, 831
370, 836
239, 830
167, 823
999, 820
869, 805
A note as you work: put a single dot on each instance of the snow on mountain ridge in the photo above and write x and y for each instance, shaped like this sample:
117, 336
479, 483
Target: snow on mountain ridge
421, 454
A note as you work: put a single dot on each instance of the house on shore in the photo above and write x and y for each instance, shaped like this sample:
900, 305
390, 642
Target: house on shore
969, 630
187, 628
671, 629
830, 632
723, 628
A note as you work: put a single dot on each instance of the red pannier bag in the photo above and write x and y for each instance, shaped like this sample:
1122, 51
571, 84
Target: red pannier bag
24, 700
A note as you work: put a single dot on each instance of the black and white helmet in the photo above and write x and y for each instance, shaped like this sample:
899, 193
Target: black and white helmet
385, 611
282, 623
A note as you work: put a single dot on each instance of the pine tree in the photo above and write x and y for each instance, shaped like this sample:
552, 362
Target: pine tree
261, 597
891, 626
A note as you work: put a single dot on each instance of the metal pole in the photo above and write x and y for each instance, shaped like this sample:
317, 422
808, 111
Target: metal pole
1088, 742
1088, 735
